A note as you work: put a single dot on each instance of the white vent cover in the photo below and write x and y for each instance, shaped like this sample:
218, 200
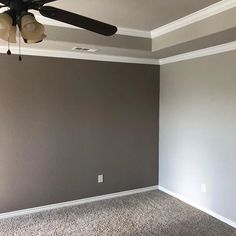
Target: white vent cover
81, 49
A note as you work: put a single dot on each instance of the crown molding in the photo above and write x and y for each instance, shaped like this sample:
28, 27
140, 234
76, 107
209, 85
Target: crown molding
134, 33
211, 10
78, 55
133, 60
121, 31
200, 53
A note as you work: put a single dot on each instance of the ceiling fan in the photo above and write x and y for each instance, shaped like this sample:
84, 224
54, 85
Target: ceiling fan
17, 14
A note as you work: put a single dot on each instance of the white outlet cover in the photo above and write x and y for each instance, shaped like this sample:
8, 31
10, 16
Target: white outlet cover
203, 188
100, 178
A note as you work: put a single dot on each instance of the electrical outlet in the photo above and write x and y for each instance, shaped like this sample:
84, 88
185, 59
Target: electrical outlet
203, 188
100, 179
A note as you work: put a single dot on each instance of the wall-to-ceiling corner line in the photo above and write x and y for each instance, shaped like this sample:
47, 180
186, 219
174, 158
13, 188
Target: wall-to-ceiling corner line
222, 48
202, 14
82, 56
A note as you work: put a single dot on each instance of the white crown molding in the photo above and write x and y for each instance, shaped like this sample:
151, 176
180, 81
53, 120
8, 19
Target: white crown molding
78, 55
201, 208
76, 202
211, 10
133, 60
200, 53
134, 33
121, 31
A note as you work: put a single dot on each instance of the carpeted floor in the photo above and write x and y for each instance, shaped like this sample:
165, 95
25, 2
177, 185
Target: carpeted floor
150, 213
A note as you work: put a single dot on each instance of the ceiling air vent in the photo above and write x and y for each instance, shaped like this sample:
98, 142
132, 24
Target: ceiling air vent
80, 49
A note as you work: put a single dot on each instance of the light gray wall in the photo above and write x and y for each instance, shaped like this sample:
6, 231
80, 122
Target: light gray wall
198, 131
63, 122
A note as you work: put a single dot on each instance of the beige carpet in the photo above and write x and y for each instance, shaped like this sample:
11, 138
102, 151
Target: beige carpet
151, 213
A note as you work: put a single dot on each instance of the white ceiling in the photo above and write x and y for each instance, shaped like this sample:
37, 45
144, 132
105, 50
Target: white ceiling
210, 27
134, 14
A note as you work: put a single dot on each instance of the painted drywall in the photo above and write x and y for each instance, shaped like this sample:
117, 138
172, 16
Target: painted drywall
200, 29
63, 122
198, 131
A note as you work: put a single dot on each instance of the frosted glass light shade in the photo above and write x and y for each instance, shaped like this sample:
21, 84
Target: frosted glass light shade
35, 41
7, 30
31, 29
10, 35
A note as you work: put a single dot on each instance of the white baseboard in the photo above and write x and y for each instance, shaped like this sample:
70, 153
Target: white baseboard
209, 212
114, 195
76, 202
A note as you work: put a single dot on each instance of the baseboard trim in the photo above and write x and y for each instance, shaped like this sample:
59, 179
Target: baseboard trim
76, 202
189, 202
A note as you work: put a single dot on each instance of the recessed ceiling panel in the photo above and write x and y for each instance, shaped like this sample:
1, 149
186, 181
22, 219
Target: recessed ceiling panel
135, 14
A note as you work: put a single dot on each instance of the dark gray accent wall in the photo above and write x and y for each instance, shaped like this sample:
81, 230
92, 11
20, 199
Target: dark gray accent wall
63, 122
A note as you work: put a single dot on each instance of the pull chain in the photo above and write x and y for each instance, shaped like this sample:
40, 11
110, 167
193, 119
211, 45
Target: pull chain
8, 51
20, 57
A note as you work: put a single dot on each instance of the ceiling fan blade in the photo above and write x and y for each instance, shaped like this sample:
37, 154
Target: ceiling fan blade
5, 2
78, 20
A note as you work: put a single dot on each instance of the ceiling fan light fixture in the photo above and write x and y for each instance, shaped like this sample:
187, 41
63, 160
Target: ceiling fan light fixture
10, 35
31, 29
18, 15
6, 27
